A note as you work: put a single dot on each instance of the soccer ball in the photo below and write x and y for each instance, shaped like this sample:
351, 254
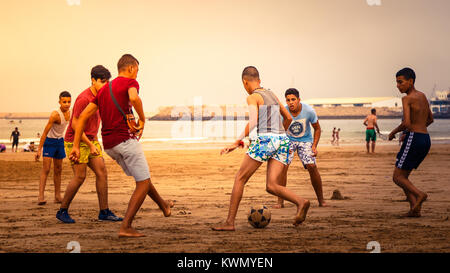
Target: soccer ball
259, 216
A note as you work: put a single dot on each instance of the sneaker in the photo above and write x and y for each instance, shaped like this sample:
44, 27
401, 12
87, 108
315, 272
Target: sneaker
108, 215
63, 216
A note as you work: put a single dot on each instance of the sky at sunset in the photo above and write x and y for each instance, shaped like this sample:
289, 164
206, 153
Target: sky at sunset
192, 48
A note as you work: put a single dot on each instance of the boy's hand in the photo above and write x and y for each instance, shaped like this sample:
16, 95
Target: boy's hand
391, 136
93, 150
75, 154
237, 143
141, 124
314, 150
38, 155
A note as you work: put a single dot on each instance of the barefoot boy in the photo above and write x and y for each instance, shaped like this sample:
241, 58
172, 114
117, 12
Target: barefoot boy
270, 144
303, 142
417, 117
371, 123
118, 142
53, 143
90, 151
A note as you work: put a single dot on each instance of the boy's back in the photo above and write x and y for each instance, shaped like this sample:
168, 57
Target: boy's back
419, 111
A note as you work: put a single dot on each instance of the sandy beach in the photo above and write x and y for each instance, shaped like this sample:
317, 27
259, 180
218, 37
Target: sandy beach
200, 181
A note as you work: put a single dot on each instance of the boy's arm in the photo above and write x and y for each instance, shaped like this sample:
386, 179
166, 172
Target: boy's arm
79, 129
406, 122
287, 118
84, 138
136, 102
317, 133
53, 117
365, 121
430, 118
375, 123
253, 120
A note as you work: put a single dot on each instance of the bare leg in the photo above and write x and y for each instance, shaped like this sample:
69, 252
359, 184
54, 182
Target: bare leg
46, 165
274, 170
248, 168
368, 146
400, 178
74, 184
316, 182
282, 182
57, 170
162, 204
136, 200
97, 165
373, 146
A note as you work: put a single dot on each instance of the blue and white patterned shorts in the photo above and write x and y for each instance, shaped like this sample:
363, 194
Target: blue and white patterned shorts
304, 151
265, 147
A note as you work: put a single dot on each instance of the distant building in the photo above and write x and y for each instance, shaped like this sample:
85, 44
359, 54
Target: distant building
391, 102
441, 102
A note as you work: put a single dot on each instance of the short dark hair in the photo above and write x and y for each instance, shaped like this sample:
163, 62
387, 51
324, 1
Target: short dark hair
125, 61
373, 110
64, 94
292, 91
408, 73
100, 72
250, 73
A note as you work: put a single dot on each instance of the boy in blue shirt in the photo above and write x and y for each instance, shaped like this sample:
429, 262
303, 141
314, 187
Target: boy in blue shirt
302, 141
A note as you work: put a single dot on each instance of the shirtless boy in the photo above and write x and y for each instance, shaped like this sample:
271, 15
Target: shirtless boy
52, 140
417, 117
270, 145
371, 124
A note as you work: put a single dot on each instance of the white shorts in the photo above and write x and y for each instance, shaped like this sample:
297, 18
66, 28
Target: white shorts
304, 151
130, 156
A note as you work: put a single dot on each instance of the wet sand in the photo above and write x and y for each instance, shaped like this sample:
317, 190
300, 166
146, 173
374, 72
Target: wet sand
201, 181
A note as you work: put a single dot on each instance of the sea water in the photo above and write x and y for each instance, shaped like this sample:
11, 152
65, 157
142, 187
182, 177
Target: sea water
207, 134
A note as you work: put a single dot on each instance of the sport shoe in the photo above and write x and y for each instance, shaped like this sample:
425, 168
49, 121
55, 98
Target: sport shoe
107, 215
63, 216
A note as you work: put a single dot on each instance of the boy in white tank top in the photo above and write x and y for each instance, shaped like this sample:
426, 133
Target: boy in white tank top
52, 140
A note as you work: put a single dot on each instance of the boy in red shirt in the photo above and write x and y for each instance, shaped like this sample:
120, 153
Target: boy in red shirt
119, 142
90, 151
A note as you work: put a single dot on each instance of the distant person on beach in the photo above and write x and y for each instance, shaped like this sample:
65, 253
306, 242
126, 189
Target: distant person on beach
371, 124
90, 151
417, 117
270, 144
333, 136
29, 147
52, 142
2, 148
15, 139
119, 142
303, 142
337, 136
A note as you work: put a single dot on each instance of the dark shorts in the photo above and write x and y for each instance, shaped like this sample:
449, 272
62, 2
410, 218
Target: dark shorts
414, 149
15, 143
54, 148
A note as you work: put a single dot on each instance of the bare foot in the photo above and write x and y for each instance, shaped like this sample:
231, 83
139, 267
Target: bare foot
278, 206
224, 227
58, 200
302, 210
418, 206
129, 232
323, 204
42, 202
167, 211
